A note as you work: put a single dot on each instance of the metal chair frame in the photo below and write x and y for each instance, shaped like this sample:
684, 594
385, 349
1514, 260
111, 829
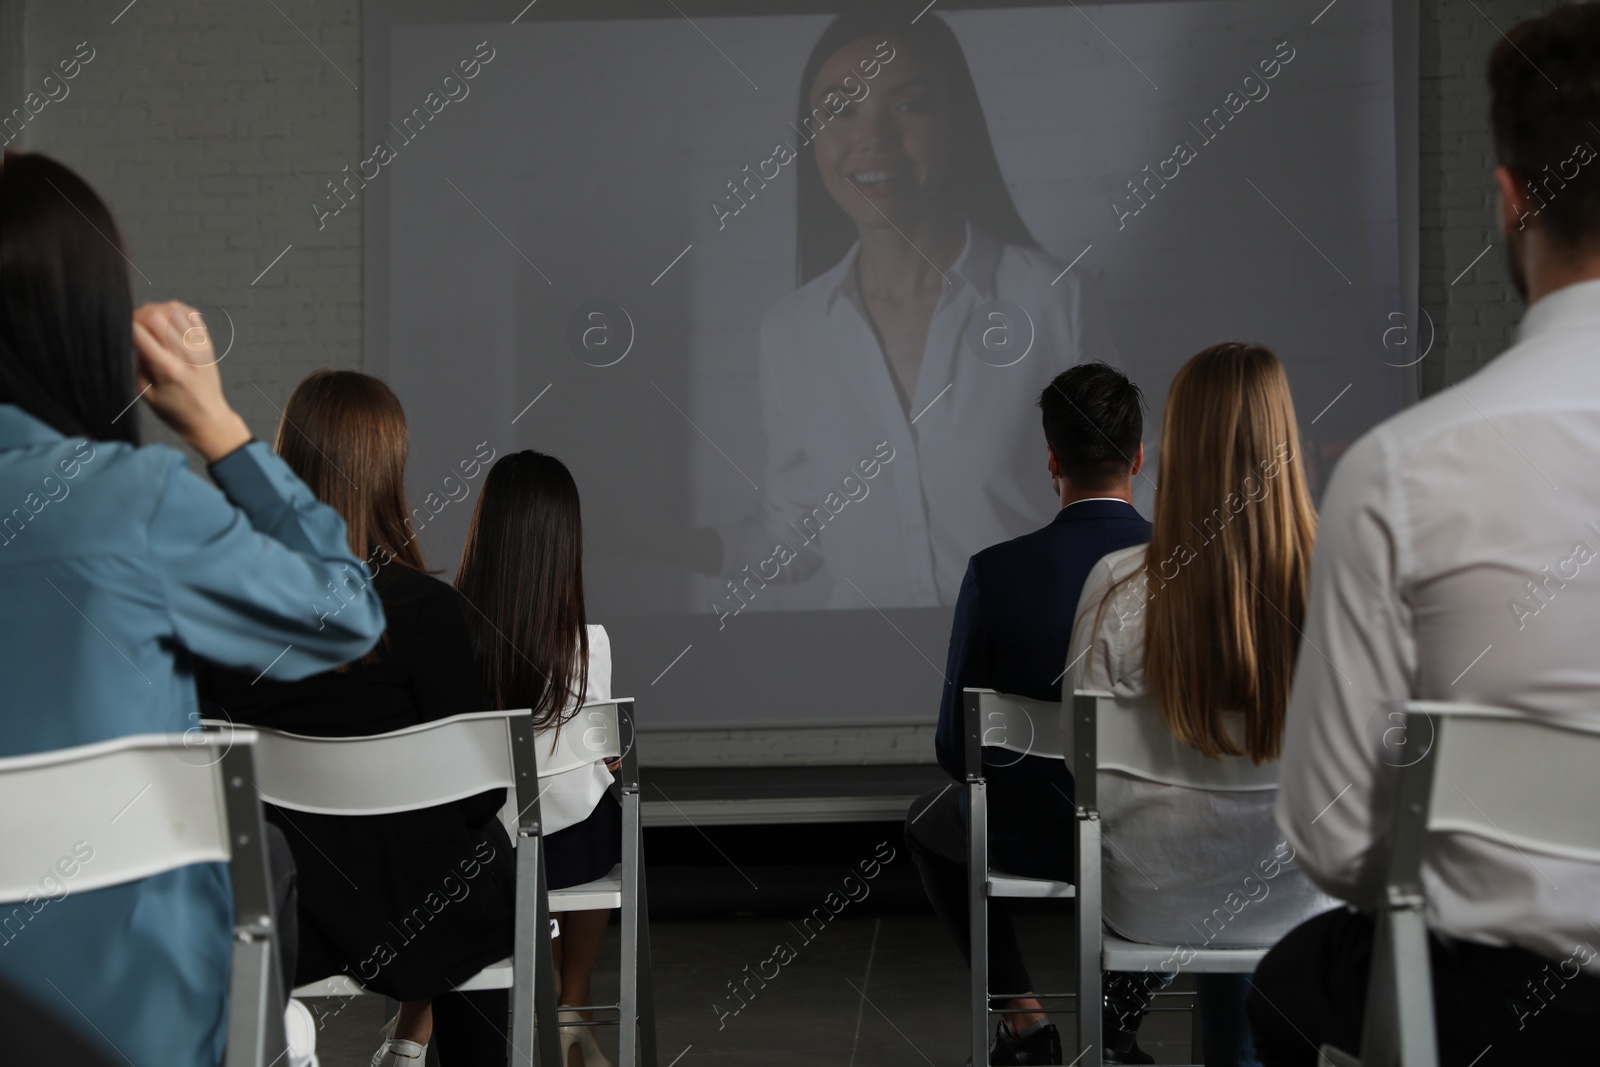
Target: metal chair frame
1094, 950
986, 712
256, 1036
1398, 1029
530, 970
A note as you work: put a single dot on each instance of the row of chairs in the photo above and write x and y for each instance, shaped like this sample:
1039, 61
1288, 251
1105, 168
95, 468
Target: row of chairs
1526, 775
196, 799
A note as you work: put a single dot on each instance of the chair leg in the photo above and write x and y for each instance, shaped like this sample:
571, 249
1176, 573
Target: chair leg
1087, 947
628, 1023
978, 917
256, 1004
535, 1024
1197, 1043
647, 997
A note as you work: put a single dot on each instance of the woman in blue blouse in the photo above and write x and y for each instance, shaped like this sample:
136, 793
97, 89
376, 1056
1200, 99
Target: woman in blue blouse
117, 566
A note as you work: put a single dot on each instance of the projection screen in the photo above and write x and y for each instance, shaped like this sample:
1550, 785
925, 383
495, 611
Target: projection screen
590, 230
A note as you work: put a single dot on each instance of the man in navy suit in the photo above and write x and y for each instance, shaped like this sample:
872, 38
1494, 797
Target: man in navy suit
1013, 622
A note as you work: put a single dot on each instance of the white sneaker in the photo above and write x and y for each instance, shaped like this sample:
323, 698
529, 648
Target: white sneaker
394, 1053
301, 1031
399, 1054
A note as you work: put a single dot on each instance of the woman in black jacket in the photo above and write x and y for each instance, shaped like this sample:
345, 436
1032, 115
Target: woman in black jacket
409, 904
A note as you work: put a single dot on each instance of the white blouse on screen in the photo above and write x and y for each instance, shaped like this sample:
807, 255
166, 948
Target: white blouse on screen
894, 497
568, 798
1205, 869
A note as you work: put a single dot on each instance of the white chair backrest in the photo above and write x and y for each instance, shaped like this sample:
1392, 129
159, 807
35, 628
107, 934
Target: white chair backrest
1022, 725
1506, 777
1134, 738
417, 767
100, 815
593, 733
422, 766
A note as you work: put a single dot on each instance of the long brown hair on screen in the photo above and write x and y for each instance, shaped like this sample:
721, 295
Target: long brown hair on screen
345, 435
823, 232
1228, 565
523, 571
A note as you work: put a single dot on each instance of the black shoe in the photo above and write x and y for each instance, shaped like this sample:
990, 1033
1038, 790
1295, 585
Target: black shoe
1041, 1046
1135, 1054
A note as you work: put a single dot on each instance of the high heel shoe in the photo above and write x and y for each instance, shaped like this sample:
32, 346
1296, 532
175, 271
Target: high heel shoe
575, 1033
393, 1053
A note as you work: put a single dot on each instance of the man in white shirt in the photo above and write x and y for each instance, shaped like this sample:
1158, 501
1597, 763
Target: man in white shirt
1453, 563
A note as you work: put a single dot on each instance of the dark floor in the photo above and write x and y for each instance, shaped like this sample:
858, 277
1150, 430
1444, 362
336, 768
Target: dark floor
882, 984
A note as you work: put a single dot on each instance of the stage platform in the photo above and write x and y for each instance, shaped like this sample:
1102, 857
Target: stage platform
735, 796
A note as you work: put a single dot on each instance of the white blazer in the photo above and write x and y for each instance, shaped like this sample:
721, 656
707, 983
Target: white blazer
568, 798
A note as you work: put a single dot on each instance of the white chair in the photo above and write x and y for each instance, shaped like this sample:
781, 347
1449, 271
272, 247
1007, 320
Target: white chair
1020, 726
1108, 733
455, 758
147, 804
1530, 784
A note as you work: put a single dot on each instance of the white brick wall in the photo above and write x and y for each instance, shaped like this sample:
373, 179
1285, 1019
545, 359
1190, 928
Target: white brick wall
211, 127
1475, 316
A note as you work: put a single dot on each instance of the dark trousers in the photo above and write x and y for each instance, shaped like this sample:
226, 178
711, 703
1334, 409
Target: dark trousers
936, 834
1493, 1007
286, 898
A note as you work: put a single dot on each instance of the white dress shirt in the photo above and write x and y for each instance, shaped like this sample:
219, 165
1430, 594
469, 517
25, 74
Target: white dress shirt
968, 457
1202, 868
1456, 561
568, 798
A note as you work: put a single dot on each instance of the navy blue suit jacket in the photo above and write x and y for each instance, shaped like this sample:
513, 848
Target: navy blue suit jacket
1012, 625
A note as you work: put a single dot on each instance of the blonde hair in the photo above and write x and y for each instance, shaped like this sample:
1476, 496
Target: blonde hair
1228, 565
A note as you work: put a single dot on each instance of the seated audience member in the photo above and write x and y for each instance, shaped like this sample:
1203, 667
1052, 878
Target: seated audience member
117, 566
367, 882
1204, 619
523, 570
1448, 569
1012, 623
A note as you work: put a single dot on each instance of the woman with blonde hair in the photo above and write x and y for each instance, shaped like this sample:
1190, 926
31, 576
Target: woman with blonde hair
1205, 620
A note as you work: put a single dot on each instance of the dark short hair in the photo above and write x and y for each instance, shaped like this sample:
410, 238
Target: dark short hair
1544, 77
1093, 422
66, 310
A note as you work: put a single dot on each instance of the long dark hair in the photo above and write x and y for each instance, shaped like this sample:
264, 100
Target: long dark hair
523, 570
66, 312
344, 433
824, 233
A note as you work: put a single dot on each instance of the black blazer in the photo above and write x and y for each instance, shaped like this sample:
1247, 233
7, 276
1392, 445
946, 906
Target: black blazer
1012, 626
407, 904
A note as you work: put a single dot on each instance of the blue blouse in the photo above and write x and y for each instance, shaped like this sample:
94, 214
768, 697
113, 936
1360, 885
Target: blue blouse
116, 564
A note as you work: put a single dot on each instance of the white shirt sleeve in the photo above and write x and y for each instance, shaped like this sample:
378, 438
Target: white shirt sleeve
568, 798
1110, 656
599, 679
1335, 795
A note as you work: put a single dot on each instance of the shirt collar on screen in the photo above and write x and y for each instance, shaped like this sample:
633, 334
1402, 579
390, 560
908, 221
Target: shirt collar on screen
975, 267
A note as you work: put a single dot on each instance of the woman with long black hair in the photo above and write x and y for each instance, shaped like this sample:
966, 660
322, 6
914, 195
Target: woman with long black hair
118, 566
523, 570
926, 321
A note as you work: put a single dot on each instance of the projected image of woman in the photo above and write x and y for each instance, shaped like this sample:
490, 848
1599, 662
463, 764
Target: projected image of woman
897, 382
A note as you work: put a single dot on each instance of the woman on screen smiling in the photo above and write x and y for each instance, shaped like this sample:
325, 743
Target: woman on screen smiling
926, 317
